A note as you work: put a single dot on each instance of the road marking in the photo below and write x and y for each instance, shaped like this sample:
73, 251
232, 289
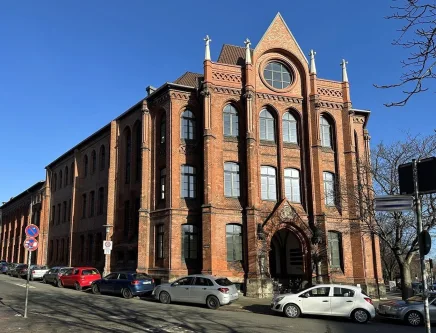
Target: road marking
24, 286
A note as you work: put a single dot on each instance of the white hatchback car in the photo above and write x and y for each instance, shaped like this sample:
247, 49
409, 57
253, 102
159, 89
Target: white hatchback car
329, 300
203, 289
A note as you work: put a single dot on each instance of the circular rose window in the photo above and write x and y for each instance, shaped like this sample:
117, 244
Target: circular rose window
277, 75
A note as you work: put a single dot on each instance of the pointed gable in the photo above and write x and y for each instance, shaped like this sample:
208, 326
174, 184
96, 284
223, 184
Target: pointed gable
277, 36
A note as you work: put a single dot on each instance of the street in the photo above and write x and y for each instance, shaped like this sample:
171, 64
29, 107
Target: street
53, 309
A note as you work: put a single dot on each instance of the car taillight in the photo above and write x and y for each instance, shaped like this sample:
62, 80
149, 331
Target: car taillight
369, 300
152, 280
135, 282
224, 290
33, 272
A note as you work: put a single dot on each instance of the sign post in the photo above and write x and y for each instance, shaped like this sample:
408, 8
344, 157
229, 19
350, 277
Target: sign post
31, 244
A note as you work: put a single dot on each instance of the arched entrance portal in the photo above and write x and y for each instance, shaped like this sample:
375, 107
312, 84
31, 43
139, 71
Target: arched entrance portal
286, 259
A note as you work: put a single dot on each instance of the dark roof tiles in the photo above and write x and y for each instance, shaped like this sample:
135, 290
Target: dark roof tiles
190, 79
233, 55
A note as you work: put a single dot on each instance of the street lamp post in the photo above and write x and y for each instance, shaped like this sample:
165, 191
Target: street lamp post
106, 269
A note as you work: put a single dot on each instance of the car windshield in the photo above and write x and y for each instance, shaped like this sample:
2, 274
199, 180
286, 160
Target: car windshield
140, 276
224, 282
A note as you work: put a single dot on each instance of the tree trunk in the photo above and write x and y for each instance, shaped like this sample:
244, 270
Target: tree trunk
406, 281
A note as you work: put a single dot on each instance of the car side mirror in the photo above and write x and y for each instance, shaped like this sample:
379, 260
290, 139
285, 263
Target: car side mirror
305, 295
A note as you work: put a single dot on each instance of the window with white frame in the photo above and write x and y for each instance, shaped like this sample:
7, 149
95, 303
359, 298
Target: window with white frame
266, 126
268, 183
329, 188
231, 179
292, 185
231, 124
289, 128
326, 132
335, 249
234, 242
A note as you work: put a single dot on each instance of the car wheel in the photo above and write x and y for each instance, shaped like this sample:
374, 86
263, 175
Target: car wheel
77, 286
292, 311
360, 316
164, 297
213, 302
95, 289
59, 284
414, 318
126, 293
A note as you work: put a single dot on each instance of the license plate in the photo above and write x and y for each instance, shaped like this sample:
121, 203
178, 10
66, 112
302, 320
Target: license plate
146, 282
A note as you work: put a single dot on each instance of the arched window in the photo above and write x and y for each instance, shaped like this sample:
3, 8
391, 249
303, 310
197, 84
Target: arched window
102, 157
189, 181
100, 201
292, 185
188, 125
84, 205
231, 179
128, 155
234, 242
60, 179
55, 180
138, 157
91, 203
231, 123
64, 216
329, 188
66, 176
326, 132
335, 249
190, 241
268, 183
94, 162
266, 126
289, 128
163, 128
72, 173
85, 166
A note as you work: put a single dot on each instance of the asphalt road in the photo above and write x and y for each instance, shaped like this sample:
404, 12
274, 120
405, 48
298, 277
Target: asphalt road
53, 309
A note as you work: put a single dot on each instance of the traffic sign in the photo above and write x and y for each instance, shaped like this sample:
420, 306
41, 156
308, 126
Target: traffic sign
393, 203
32, 230
107, 251
31, 244
107, 245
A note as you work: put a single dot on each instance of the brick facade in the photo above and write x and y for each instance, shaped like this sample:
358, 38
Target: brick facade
148, 216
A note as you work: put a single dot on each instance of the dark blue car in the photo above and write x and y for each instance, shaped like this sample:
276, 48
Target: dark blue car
128, 284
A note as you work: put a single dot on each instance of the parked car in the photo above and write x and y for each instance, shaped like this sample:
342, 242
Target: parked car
411, 310
79, 277
330, 300
203, 289
3, 267
18, 269
52, 276
23, 271
11, 268
128, 284
37, 272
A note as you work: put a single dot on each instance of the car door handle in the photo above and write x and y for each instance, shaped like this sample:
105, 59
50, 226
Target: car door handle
349, 301
325, 301
187, 288
204, 288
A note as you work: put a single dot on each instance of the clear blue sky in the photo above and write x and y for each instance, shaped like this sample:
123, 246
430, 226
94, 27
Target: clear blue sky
69, 67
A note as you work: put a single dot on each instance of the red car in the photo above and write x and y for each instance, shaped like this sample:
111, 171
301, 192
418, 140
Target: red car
79, 277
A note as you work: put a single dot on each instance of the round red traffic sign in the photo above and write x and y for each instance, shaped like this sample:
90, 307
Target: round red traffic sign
31, 244
32, 230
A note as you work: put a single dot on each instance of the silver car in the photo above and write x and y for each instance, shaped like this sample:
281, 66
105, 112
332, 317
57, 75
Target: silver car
203, 289
411, 310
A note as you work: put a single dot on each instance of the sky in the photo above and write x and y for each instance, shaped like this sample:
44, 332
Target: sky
67, 68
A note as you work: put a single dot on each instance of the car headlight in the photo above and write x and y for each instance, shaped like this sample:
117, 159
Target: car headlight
278, 299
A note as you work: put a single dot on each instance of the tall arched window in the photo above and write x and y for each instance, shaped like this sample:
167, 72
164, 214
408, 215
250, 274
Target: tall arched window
102, 157
268, 183
85, 166
267, 132
66, 176
72, 173
100, 201
60, 179
231, 179
55, 180
163, 128
128, 155
329, 188
289, 128
138, 157
231, 123
188, 125
292, 184
326, 132
93, 162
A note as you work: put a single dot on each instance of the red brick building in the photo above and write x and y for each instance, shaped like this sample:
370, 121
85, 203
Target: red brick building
233, 171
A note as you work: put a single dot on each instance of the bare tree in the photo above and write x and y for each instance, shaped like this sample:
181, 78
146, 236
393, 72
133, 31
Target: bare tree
396, 230
389, 263
418, 36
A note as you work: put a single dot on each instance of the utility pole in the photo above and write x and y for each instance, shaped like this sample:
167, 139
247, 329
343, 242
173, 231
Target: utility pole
421, 255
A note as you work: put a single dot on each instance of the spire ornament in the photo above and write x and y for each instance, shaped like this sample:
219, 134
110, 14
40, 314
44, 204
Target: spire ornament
312, 69
344, 70
207, 51
247, 51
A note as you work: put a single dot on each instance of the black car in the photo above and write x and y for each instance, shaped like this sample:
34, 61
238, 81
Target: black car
127, 284
53, 275
15, 271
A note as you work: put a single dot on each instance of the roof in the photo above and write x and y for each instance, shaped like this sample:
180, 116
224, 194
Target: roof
32, 189
190, 79
233, 55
